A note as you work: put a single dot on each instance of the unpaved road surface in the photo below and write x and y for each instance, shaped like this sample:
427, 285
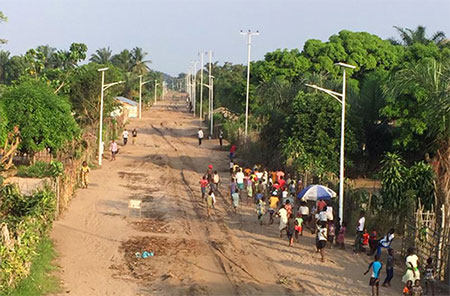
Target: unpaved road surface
228, 254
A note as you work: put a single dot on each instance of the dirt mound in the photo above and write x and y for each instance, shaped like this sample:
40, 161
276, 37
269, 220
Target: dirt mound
149, 268
151, 225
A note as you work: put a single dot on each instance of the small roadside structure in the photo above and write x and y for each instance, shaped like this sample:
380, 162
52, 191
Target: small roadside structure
129, 107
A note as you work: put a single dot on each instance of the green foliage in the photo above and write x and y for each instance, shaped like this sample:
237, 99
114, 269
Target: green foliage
44, 118
29, 219
368, 52
403, 187
314, 126
41, 169
40, 281
85, 92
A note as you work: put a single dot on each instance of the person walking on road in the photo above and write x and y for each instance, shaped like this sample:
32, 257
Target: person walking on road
200, 136
84, 174
125, 137
220, 137
359, 232
134, 135
114, 149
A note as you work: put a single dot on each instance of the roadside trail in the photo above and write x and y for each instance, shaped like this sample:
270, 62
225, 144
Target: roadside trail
229, 254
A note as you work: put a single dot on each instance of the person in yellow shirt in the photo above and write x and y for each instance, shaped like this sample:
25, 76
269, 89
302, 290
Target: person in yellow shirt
273, 205
84, 174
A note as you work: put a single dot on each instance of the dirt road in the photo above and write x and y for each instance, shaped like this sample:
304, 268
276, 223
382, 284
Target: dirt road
230, 254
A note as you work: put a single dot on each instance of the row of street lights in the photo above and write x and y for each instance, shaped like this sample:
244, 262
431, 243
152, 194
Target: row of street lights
105, 87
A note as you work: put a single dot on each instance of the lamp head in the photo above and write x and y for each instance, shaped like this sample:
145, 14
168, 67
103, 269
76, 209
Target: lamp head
103, 69
344, 65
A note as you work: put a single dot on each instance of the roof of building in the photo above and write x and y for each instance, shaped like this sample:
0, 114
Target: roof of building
127, 101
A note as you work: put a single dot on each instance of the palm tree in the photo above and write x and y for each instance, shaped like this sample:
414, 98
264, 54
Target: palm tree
434, 78
4, 60
102, 56
123, 60
139, 65
409, 36
48, 55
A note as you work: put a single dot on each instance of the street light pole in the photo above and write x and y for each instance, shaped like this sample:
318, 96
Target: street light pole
201, 85
194, 84
210, 87
341, 98
209, 82
249, 46
100, 132
140, 94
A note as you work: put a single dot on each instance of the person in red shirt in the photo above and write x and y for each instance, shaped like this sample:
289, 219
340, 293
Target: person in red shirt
282, 182
320, 205
203, 184
232, 151
365, 238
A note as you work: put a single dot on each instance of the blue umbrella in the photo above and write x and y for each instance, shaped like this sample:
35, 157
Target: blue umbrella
315, 192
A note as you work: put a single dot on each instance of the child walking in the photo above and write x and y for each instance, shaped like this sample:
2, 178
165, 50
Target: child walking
375, 278
260, 210
203, 184
331, 229
210, 203
84, 174
291, 229
298, 226
429, 276
416, 290
341, 236
321, 239
389, 268
235, 198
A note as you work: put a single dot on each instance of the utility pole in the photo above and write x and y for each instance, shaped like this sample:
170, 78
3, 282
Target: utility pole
194, 84
100, 129
249, 43
201, 86
140, 94
210, 96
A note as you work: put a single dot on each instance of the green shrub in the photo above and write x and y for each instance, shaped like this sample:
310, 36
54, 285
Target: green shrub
41, 169
29, 219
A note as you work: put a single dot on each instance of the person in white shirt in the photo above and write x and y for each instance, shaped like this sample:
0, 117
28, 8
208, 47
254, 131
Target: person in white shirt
125, 137
114, 149
359, 232
240, 179
330, 213
200, 136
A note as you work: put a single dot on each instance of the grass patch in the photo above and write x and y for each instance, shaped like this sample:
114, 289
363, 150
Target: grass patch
40, 281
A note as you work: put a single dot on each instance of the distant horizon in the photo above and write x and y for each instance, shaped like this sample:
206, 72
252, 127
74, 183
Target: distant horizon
172, 32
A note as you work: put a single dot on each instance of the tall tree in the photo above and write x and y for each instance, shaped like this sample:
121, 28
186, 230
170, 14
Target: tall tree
139, 64
429, 83
123, 60
3, 18
409, 36
102, 56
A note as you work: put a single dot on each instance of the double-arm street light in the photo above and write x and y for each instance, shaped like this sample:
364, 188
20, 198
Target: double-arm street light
210, 86
100, 132
140, 94
249, 46
341, 98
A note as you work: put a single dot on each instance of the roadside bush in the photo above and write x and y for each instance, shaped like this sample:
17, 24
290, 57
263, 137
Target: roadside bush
25, 221
41, 169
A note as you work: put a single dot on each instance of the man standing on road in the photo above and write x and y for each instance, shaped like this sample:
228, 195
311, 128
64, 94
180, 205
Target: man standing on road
125, 137
359, 232
200, 136
220, 137
134, 135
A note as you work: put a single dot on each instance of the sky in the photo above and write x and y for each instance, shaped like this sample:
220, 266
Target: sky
173, 32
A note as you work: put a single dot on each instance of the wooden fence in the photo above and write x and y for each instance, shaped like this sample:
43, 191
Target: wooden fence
428, 233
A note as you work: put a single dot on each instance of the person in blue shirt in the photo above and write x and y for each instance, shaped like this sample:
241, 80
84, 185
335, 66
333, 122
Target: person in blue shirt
375, 278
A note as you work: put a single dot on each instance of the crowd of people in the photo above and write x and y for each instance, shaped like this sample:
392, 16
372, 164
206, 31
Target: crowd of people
277, 194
